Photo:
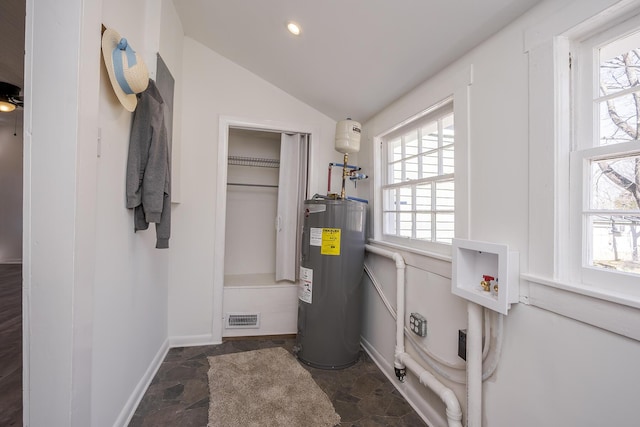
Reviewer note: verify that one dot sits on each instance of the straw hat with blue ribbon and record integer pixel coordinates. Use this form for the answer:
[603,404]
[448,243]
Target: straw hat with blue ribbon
[127,71]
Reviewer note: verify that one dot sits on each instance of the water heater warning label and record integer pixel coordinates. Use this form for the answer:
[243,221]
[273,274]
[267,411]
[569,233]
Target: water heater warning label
[315,237]
[305,290]
[330,241]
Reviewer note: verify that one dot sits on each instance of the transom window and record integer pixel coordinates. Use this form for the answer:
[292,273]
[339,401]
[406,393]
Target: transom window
[418,182]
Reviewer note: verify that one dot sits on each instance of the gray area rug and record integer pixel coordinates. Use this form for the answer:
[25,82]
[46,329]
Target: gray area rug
[266,387]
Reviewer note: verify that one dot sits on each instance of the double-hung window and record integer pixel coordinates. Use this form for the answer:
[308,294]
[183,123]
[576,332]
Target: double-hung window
[418,180]
[605,158]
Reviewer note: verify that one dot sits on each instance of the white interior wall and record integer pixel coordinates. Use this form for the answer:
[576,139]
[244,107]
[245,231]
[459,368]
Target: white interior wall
[554,370]
[214,87]
[132,276]
[95,293]
[59,209]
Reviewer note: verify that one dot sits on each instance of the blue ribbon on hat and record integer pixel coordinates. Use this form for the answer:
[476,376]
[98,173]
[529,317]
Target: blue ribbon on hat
[118,67]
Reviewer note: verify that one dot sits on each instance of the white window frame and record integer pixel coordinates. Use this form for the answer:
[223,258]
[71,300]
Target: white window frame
[454,87]
[431,115]
[550,279]
[584,74]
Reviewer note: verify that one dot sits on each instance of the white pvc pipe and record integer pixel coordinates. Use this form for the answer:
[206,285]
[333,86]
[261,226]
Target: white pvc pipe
[400,267]
[453,411]
[404,360]
[378,288]
[491,363]
[432,360]
[486,345]
[474,365]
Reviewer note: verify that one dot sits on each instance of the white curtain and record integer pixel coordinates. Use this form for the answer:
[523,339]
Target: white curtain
[291,193]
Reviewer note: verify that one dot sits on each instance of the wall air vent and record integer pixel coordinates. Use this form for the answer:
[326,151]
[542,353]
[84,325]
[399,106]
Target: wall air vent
[242,320]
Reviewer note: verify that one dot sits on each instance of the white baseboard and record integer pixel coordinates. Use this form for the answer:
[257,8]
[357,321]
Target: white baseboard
[192,340]
[409,391]
[132,403]
[134,400]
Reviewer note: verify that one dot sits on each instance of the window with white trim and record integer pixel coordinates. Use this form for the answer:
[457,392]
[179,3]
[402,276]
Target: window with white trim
[418,188]
[605,157]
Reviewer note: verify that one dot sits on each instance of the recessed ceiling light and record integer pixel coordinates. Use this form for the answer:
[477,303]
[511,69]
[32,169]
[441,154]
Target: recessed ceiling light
[293,28]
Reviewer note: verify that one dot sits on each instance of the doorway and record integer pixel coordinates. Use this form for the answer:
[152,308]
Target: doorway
[12,32]
[262,183]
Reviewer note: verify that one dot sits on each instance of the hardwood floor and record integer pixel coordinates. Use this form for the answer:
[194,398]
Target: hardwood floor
[10,344]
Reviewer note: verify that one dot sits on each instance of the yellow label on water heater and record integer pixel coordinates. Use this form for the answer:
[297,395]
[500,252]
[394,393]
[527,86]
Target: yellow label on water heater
[330,241]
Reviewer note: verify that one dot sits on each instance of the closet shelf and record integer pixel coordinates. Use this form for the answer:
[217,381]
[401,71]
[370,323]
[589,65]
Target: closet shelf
[253,161]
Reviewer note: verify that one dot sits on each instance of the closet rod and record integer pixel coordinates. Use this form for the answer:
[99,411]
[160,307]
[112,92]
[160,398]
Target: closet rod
[252,185]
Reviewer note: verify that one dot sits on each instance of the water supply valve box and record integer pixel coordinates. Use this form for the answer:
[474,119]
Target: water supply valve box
[485,273]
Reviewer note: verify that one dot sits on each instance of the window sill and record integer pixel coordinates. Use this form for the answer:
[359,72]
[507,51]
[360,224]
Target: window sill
[607,310]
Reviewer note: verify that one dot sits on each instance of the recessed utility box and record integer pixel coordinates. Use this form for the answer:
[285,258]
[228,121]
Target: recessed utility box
[485,273]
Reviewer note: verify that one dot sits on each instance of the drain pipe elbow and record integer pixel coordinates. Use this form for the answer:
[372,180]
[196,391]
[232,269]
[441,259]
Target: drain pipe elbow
[395,256]
[399,260]
[453,410]
[448,397]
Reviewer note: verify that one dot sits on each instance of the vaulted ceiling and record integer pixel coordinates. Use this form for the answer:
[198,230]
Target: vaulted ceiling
[353,57]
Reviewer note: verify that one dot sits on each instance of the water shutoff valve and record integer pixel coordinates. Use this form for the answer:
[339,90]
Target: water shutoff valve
[486,282]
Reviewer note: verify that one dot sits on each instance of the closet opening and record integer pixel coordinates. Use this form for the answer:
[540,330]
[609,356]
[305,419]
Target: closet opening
[266,185]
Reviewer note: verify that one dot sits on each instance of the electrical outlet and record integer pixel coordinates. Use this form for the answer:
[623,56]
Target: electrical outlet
[418,324]
[462,344]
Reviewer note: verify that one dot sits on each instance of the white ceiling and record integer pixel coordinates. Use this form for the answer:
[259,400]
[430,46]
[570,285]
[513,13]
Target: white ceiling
[354,57]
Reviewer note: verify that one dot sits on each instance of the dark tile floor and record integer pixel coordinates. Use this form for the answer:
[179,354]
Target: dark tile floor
[179,393]
[10,345]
